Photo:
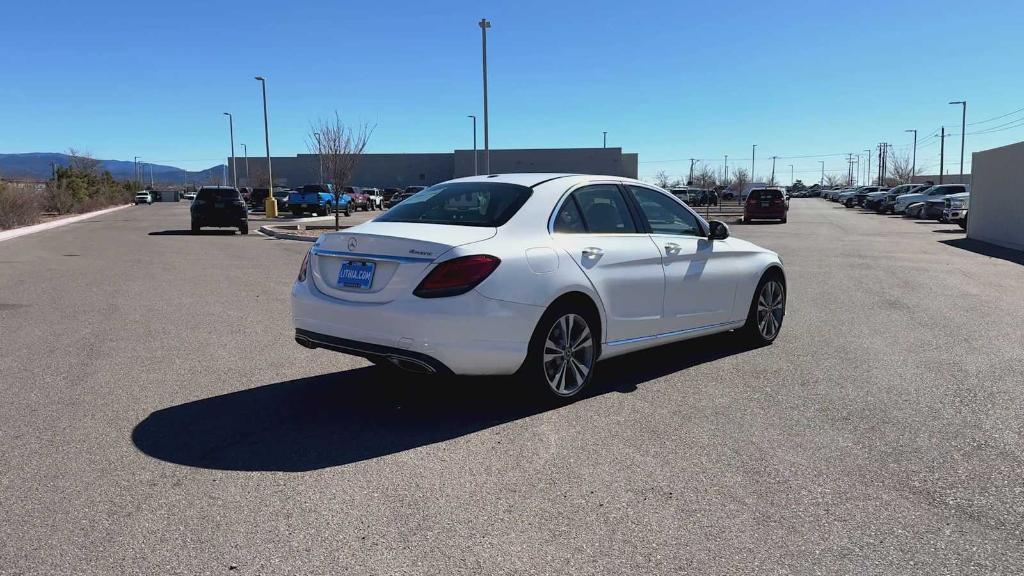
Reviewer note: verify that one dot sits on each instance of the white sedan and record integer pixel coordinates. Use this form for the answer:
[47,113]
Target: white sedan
[540,275]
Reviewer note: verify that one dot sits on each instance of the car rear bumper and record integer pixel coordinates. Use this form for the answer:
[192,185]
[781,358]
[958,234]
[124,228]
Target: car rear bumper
[765,215]
[467,335]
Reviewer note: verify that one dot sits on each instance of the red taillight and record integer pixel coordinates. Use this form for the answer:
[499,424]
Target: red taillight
[456,276]
[302,271]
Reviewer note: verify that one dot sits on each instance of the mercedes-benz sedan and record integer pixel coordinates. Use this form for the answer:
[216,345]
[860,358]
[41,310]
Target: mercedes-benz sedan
[540,275]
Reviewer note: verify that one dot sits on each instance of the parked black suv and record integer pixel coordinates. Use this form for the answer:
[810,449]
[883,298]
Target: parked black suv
[219,207]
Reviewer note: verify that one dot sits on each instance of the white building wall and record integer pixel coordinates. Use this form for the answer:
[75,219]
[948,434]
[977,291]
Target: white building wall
[996,212]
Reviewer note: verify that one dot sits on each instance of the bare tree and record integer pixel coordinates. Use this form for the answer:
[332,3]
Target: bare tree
[339,148]
[83,161]
[662,179]
[832,180]
[705,177]
[258,177]
[740,178]
[900,169]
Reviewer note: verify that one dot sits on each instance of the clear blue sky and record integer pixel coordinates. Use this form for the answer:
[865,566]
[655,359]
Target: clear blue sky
[669,80]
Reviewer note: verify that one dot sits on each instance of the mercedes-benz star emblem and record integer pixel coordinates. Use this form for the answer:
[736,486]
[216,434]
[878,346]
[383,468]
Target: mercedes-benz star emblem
[352,243]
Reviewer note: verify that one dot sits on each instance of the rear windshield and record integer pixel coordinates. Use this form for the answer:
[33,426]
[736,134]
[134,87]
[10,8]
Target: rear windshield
[765,194]
[218,194]
[488,204]
[280,194]
[314,188]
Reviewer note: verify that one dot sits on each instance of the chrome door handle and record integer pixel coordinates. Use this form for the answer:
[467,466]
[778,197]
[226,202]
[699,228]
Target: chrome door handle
[592,252]
[672,247]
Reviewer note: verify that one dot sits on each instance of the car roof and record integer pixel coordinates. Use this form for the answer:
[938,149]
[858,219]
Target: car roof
[523,179]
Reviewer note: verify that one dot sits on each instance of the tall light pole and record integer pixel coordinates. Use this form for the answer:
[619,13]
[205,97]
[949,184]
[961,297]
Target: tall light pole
[942,154]
[868,171]
[476,168]
[913,163]
[725,177]
[792,175]
[772,179]
[484,25]
[604,142]
[266,134]
[234,165]
[245,151]
[821,184]
[753,156]
[689,182]
[963,135]
[138,179]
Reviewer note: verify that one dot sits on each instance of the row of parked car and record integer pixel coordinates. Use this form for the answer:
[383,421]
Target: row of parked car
[318,199]
[942,202]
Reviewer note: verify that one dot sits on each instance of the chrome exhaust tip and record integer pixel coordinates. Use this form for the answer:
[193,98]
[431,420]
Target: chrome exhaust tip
[305,342]
[409,365]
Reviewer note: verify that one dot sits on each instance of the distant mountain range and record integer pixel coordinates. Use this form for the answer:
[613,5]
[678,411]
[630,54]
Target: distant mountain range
[37,166]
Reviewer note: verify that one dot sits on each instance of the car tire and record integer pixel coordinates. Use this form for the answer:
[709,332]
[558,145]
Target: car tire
[767,310]
[195,228]
[552,371]
[746,220]
[244,228]
[783,221]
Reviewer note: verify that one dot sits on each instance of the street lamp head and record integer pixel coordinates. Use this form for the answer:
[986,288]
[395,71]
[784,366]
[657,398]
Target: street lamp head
[473,116]
[227,114]
[959,102]
[260,78]
[484,23]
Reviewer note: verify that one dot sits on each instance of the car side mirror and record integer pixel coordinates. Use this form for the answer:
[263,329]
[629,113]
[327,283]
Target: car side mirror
[717,230]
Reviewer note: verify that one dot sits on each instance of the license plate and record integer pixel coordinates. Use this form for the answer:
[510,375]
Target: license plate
[356,275]
[218,205]
[765,204]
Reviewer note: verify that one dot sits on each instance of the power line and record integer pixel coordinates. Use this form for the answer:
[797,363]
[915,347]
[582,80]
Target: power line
[996,117]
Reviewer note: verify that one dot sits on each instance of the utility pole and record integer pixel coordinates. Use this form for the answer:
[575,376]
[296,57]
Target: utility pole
[913,163]
[138,180]
[725,179]
[476,168]
[753,156]
[867,154]
[484,25]
[605,142]
[849,169]
[689,182]
[821,184]
[772,179]
[266,135]
[234,165]
[792,176]
[963,136]
[246,152]
[942,154]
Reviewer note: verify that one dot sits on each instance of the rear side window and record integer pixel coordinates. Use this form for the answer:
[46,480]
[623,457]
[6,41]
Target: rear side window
[488,204]
[604,210]
[569,220]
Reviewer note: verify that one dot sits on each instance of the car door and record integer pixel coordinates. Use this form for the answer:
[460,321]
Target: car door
[700,275]
[597,227]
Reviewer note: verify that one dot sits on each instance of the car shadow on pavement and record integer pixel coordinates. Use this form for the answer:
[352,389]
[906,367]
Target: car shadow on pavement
[217,232]
[360,414]
[986,249]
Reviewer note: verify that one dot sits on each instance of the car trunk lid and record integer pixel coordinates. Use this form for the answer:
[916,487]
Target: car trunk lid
[394,255]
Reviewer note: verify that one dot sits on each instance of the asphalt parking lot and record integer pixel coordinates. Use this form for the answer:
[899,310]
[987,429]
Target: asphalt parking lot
[158,418]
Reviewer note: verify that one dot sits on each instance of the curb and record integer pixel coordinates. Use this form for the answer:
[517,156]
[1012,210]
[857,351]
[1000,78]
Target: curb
[269,231]
[26,230]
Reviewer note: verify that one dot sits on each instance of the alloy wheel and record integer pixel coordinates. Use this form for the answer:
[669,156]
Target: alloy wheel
[771,306]
[568,354]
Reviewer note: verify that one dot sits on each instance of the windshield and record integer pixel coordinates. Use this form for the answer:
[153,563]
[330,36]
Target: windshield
[489,204]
